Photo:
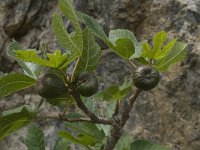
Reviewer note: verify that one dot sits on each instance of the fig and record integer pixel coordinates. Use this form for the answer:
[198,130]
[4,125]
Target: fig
[50,86]
[87,84]
[146,77]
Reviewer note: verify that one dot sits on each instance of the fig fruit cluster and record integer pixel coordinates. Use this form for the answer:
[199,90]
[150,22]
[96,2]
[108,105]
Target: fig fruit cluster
[146,77]
[87,84]
[50,86]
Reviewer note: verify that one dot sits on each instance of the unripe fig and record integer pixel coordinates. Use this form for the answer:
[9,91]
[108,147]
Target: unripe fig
[50,86]
[87,84]
[146,77]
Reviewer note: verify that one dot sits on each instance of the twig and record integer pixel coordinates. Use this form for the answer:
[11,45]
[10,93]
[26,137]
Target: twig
[116,109]
[62,117]
[65,77]
[92,116]
[132,63]
[46,117]
[128,108]
[118,129]
[75,68]
[40,103]
[77,120]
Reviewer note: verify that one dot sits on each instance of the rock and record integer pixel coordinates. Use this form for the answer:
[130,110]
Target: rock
[194,10]
[115,14]
[169,114]
[15,19]
[110,70]
[26,22]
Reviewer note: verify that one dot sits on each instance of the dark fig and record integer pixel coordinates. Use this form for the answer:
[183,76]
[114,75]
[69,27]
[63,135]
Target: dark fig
[146,77]
[50,86]
[87,84]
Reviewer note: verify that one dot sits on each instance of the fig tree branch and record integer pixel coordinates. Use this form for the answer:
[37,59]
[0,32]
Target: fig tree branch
[128,108]
[117,130]
[63,118]
[74,70]
[132,63]
[67,80]
[40,103]
[92,116]
[116,109]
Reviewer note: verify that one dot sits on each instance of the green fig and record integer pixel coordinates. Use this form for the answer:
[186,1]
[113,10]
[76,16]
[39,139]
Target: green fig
[87,84]
[50,86]
[146,77]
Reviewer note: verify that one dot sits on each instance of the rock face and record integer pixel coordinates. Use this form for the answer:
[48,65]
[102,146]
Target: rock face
[26,21]
[168,114]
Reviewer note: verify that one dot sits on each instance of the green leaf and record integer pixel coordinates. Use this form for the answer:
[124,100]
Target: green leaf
[91,53]
[65,39]
[165,50]
[62,144]
[63,100]
[115,92]
[94,26]
[177,53]
[91,103]
[87,140]
[109,112]
[18,109]
[67,9]
[110,108]
[146,145]
[30,69]
[125,88]
[106,128]
[14,82]
[147,51]
[88,129]
[141,60]
[35,69]
[118,39]
[35,138]
[125,43]
[67,135]
[124,143]
[83,136]
[73,43]
[13,120]
[111,93]
[56,60]
[158,41]
[124,48]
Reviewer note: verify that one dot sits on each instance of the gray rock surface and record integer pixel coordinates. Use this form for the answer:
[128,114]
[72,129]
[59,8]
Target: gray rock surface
[169,114]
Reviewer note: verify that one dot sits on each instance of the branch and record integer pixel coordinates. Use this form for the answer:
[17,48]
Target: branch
[77,119]
[118,128]
[63,118]
[40,103]
[66,78]
[92,116]
[128,108]
[132,63]
[74,71]
[116,109]
[46,117]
